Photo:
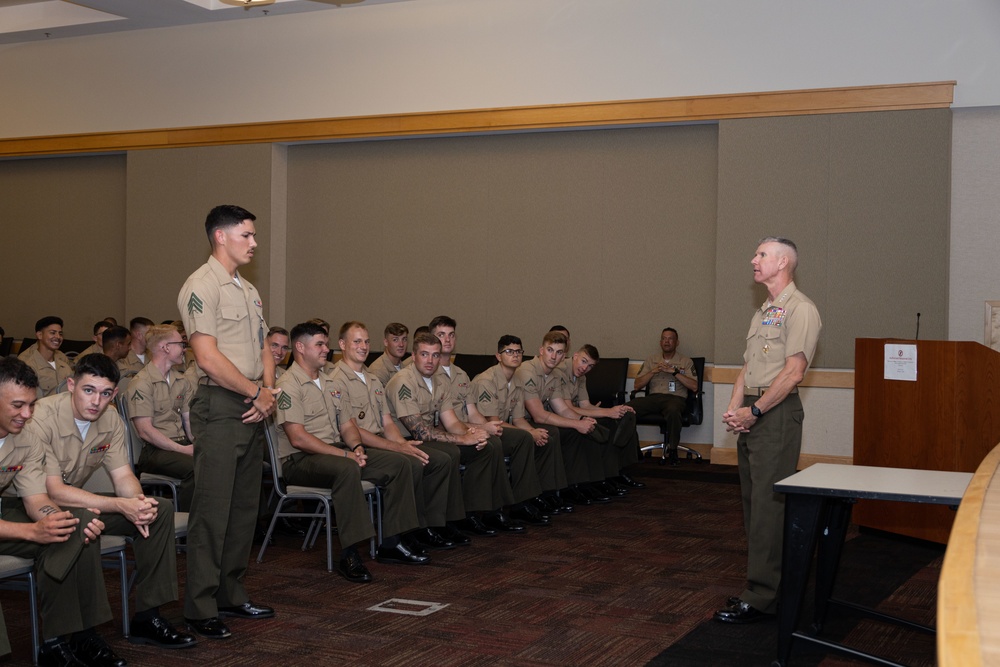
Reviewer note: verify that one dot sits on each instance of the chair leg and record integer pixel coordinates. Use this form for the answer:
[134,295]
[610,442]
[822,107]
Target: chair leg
[33,606]
[123,565]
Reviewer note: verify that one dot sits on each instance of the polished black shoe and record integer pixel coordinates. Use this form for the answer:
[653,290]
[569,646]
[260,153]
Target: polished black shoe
[547,504]
[611,489]
[58,654]
[474,526]
[565,506]
[352,569]
[530,515]
[158,632]
[575,496]
[625,480]
[595,494]
[247,610]
[733,600]
[212,628]
[672,457]
[95,652]
[430,540]
[399,554]
[741,613]
[411,543]
[453,535]
[499,522]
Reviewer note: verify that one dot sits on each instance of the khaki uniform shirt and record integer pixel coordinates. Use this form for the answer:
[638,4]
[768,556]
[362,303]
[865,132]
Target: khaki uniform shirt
[660,382]
[149,395]
[131,364]
[302,402]
[496,397]
[364,402]
[383,369]
[574,389]
[407,395]
[49,378]
[777,331]
[22,465]
[93,349]
[530,376]
[66,454]
[211,303]
[458,384]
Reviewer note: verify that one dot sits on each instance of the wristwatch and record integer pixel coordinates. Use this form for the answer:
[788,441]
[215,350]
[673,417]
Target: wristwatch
[755,411]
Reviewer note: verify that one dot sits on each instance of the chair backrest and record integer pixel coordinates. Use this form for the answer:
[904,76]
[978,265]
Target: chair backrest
[372,356]
[694,411]
[6,345]
[132,440]
[606,381]
[474,364]
[271,436]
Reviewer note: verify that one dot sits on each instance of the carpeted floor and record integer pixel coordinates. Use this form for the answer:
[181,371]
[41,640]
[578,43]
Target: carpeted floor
[633,582]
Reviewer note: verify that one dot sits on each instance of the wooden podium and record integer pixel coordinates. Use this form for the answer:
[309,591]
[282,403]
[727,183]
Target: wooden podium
[949,419]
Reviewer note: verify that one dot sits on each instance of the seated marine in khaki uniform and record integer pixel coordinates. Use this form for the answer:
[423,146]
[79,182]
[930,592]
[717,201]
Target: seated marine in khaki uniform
[50,365]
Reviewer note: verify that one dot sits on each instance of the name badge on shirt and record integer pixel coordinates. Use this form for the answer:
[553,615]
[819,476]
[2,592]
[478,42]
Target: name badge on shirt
[672,386]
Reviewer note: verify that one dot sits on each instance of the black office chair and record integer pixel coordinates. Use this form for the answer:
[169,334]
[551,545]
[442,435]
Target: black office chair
[6,345]
[694,413]
[606,381]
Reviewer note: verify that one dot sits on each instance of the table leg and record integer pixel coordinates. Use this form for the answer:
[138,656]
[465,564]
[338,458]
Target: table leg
[834,522]
[802,514]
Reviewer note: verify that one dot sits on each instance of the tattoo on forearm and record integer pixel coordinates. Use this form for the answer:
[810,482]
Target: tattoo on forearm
[420,431]
[47,509]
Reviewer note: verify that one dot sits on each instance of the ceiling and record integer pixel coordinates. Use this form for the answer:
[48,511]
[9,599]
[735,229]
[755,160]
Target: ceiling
[32,20]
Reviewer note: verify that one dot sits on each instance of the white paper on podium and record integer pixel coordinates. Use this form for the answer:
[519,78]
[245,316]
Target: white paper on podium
[900,362]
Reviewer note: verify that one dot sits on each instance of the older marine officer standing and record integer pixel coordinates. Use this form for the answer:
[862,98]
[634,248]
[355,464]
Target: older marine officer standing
[766,411]
[224,319]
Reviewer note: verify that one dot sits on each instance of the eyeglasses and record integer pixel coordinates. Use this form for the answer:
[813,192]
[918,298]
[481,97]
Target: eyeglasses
[178,342]
[511,352]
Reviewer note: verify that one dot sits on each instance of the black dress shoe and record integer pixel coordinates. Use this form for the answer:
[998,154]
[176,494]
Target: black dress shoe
[352,569]
[530,515]
[411,543]
[611,489]
[500,523]
[474,526]
[733,600]
[625,480]
[58,654]
[595,494]
[399,554]
[575,496]
[95,652]
[548,505]
[247,610]
[212,628]
[565,506]
[741,613]
[453,535]
[158,632]
[430,540]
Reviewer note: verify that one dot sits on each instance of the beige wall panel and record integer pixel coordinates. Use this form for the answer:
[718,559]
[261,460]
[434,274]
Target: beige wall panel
[63,222]
[169,194]
[608,232]
[865,197]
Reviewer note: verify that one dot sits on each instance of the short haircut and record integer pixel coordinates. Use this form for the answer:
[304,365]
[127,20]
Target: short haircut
[558,327]
[322,323]
[114,335]
[177,324]
[158,333]
[395,329]
[226,215]
[442,321]
[791,250]
[420,330]
[555,337]
[508,339]
[137,322]
[110,320]
[276,331]
[98,365]
[306,330]
[347,326]
[103,324]
[671,329]
[15,371]
[591,352]
[425,338]
[46,322]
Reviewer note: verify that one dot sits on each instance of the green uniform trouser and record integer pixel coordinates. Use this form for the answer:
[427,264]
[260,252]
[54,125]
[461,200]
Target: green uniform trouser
[70,581]
[549,460]
[156,461]
[484,486]
[430,487]
[671,407]
[767,454]
[228,464]
[343,476]
[155,556]
[625,444]
[519,446]
[583,456]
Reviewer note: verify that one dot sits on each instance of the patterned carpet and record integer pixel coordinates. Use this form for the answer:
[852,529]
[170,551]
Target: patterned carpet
[633,582]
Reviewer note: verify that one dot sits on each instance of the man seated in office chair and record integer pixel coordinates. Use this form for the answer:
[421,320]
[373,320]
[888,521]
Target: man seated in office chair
[615,423]
[312,453]
[136,357]
[667,376]
[64,544]
[50,365]
[159,406]
[80,434]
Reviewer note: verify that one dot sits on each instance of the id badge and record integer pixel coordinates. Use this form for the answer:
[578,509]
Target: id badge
[672,386]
